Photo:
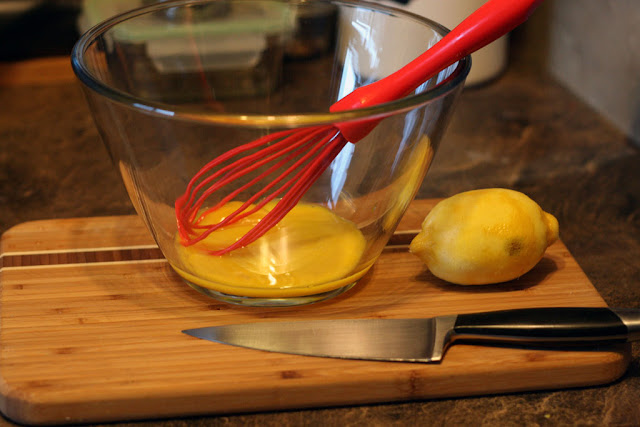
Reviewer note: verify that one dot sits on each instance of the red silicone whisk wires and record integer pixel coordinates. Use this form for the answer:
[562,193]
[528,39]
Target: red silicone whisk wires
[297,158]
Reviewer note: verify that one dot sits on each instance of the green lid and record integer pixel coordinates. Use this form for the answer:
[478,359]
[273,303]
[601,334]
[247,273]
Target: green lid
[242,16]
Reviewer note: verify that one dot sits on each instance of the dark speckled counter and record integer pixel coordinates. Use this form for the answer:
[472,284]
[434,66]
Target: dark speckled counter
[522,131]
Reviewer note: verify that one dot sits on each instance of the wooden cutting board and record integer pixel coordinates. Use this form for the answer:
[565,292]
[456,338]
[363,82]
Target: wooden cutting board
[91,314]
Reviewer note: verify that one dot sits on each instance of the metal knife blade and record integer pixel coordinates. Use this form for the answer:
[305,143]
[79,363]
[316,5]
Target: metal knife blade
[426,340]
[417,340]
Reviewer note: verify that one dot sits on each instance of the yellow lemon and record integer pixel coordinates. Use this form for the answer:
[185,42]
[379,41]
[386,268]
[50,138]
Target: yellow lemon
[484,236]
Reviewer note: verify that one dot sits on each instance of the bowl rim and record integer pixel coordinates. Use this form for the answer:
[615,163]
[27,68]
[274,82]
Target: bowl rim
[190,113]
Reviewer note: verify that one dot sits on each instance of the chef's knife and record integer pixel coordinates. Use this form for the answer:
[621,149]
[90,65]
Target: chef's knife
[425,340]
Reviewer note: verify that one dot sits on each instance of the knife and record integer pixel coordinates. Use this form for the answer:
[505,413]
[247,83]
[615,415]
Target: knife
[426,340]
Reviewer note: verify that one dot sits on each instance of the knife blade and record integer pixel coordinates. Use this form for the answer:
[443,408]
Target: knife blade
[426,340]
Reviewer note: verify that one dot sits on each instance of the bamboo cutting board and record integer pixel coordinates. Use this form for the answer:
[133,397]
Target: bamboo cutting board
[91,314]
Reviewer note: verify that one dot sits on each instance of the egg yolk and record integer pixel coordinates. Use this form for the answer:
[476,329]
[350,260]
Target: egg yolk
[310,251]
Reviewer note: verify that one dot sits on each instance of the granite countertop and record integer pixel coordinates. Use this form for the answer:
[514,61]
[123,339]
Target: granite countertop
[523,131]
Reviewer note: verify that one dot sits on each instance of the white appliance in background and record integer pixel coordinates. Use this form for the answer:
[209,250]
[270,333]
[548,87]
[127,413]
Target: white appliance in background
[486,63]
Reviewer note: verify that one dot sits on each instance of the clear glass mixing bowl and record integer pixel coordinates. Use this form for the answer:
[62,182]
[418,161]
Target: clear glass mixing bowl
[168,95]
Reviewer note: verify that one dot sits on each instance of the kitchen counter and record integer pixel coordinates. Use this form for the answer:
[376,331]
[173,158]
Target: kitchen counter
[523,131]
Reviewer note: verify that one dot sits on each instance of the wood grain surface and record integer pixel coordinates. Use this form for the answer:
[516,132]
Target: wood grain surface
[36,72]
[91,314]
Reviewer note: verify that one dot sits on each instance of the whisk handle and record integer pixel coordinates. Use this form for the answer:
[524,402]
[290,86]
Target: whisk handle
[489,22]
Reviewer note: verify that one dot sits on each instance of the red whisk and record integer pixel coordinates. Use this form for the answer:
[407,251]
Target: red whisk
[298,157]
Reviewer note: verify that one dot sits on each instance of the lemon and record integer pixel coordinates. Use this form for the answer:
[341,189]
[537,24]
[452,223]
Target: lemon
[484,236]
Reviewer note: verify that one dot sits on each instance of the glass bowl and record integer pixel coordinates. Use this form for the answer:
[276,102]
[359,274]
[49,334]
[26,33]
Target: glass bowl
[168,95]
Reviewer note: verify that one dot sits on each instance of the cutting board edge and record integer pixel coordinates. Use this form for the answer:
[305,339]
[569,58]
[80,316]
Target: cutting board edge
[66,221]
[20,409]
[17,238]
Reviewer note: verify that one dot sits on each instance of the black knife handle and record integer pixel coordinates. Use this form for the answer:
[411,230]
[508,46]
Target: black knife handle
[543,325]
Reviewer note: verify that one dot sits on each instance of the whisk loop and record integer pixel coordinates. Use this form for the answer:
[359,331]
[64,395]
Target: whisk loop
[299,157]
